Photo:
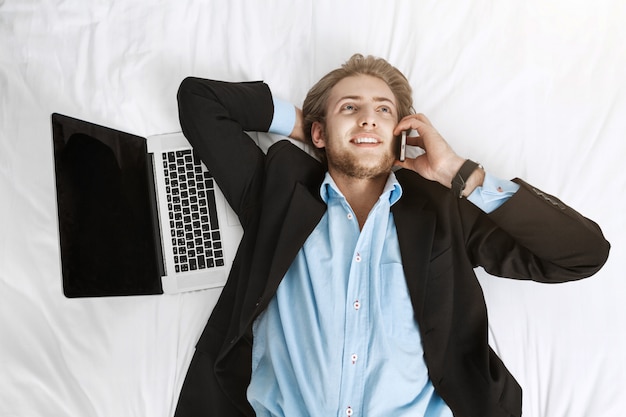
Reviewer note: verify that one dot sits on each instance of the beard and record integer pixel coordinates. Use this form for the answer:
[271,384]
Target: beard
[350,165]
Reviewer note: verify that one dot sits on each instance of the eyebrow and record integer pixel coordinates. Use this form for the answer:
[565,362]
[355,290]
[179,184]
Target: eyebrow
[376,99]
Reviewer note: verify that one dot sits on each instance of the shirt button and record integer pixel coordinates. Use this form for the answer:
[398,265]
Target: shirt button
[349,216]
[358,258]
[354,357]
[349,411]
[357,305]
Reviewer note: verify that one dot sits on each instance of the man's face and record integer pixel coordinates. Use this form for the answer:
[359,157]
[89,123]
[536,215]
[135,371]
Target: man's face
[361,114]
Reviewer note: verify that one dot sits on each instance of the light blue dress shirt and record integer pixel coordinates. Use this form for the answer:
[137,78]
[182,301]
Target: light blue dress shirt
[339,337]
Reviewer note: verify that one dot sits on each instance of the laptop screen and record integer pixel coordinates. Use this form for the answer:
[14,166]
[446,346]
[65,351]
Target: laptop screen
[105,199]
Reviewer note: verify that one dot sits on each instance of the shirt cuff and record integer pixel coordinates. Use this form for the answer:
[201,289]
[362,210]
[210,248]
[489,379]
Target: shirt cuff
[284,118]
[493,193]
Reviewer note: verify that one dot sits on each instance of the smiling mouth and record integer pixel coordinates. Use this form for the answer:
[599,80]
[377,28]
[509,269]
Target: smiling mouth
[360,141]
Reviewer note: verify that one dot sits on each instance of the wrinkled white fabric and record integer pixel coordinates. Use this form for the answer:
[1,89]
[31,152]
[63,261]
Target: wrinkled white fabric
[534,89]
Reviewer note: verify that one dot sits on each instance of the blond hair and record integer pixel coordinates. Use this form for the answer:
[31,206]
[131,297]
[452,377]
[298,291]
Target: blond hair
[314,107]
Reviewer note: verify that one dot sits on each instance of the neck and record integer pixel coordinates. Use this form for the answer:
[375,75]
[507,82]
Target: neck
[360,193]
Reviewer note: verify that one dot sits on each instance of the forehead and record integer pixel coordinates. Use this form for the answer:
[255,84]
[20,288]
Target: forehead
[366,87]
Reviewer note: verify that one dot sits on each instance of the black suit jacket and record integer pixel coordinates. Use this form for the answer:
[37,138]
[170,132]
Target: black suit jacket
[442,239]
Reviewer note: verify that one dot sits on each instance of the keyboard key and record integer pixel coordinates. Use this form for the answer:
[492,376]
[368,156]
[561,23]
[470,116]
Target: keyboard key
[193,212]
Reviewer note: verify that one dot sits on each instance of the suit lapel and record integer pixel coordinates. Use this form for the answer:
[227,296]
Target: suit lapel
[303,215]
[415,226]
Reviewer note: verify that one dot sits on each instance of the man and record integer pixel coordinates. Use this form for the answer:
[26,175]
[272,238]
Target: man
[353,291]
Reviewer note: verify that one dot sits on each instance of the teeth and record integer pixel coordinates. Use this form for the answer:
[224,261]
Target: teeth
[365,140]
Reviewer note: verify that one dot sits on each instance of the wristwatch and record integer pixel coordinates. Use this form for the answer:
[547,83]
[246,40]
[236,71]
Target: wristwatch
[460,179]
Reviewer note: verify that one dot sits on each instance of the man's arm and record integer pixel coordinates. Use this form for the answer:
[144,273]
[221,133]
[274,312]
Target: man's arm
[214,116]
[533,236]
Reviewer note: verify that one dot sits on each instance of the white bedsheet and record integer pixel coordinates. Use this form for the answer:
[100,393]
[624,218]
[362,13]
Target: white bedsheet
[534,88]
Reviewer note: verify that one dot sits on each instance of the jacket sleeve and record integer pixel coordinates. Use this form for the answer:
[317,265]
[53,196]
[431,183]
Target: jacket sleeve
[214,117]
[536,236]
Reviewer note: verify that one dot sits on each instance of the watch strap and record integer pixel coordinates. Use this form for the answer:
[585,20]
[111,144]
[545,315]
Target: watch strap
[460,179]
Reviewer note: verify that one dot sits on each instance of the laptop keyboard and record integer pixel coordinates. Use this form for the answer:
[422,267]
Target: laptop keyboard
[192,213]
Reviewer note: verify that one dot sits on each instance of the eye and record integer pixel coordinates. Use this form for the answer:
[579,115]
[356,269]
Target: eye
[384,109]
[349,107]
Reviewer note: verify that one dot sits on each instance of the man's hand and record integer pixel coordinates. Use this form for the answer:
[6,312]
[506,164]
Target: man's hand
[439,162]
[298,128]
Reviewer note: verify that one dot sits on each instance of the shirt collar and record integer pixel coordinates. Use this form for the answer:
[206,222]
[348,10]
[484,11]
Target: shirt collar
[392,189]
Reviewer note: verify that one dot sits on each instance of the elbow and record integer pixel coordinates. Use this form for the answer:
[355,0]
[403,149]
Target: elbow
[600,256]
[188,87]
[587,265]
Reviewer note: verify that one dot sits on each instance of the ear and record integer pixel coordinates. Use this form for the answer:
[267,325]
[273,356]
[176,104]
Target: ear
[317,135]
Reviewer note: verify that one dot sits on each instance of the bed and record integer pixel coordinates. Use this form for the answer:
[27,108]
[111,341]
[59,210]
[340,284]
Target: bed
[533,89]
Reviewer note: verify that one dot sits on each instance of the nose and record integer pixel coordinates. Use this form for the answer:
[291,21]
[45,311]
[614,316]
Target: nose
[367,118]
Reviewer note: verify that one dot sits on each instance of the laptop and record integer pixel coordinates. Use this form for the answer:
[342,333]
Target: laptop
[137,215]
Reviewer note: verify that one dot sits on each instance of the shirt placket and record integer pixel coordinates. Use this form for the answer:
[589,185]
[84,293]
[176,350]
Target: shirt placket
[357,326]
